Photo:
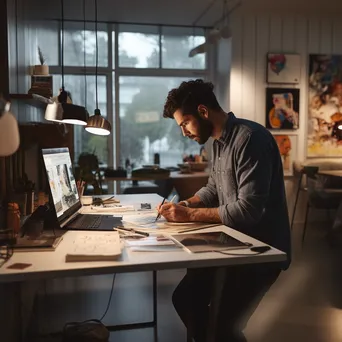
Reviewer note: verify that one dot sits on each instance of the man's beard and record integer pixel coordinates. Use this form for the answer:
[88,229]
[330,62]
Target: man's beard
[205,131]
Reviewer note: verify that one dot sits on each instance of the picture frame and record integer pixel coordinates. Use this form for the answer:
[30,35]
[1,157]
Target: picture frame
[324,116]
[282,108]
[287,144]
[283,68]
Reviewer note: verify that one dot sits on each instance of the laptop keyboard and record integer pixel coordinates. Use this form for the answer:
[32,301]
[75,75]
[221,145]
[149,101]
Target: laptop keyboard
[86,222]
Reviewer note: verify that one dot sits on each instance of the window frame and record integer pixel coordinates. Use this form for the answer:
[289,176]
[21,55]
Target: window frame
[113,72]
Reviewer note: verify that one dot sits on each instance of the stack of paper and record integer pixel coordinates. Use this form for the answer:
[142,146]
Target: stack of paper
[95,246]
[157,243]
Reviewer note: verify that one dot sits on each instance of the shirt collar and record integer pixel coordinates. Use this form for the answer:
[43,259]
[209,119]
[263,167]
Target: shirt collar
[227,128]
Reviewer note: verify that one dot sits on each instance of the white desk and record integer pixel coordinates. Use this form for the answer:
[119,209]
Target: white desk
[47,265]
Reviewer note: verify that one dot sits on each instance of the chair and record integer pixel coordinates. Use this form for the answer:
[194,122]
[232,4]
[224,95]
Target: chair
[322,193]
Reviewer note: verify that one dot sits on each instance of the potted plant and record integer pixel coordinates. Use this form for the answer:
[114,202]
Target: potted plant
[42,68]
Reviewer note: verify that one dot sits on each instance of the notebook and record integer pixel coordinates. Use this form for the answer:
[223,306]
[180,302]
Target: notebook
[64,196]
[95,246]
[41,244]
[208,242]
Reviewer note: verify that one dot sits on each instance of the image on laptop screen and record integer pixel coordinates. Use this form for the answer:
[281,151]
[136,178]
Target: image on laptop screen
[61,179]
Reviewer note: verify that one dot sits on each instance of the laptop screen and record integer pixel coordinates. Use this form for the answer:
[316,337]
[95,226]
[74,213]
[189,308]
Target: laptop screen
[61,180]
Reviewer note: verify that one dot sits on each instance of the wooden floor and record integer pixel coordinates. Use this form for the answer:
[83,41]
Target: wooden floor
[305,304]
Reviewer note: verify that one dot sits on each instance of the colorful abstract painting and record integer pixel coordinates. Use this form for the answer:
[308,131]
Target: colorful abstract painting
[287,145]
[325,106]
[283,68]
[282,108]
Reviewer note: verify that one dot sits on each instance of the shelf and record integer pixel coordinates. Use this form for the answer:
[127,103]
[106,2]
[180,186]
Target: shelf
[33,100]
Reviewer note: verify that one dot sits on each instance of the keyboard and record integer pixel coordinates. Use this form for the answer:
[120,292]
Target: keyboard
[86,222]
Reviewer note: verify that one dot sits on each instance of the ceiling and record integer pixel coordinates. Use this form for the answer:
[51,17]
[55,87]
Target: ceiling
[176,12]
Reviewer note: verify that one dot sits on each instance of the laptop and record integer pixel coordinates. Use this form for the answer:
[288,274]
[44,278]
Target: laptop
[64,195]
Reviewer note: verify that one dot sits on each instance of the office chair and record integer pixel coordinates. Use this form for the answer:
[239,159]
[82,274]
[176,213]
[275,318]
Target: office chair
[321,194]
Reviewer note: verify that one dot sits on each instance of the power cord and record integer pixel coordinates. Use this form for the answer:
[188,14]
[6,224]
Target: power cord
[92,327]
[110,298]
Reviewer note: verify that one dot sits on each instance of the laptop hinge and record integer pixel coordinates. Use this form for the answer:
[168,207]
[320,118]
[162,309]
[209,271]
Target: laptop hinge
[71,218]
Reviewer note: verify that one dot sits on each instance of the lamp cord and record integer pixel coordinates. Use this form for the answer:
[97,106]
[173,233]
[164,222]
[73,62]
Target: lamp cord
[62,27]
[84,53]
[96,59]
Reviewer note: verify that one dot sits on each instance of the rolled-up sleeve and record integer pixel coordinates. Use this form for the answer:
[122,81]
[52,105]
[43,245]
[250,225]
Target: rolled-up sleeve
[208,194]
[254,172]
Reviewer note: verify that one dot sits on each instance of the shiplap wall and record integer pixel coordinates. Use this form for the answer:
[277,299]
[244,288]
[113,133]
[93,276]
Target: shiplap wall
[256,35]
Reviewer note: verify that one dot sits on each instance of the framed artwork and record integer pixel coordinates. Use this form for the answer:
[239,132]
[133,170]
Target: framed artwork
[282,108]
[325,106]
[283,68]
[287,145]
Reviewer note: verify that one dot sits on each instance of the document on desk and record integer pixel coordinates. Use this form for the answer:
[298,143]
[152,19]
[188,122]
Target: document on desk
[148,221]
[157,243]
[143,219]
[95,246]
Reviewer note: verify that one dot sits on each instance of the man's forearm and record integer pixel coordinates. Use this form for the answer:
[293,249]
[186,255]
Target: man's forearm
[204,215]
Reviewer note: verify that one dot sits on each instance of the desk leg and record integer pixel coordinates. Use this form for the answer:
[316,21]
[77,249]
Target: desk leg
[215,302]
[155,306]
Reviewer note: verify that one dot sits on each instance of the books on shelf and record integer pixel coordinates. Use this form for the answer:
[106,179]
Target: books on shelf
[95,246]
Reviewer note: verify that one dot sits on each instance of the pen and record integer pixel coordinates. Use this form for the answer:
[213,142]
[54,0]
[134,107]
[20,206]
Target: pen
[132,231]
[172,199]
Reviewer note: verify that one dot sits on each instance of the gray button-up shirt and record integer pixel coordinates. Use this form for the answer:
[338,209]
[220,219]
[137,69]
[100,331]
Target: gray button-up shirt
[247,184]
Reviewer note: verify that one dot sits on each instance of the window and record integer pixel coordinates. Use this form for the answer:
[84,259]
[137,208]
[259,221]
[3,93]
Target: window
[150,61]
[85,141]
[143,129]
[176,45]
[74,44]
[138,46]
[46,37]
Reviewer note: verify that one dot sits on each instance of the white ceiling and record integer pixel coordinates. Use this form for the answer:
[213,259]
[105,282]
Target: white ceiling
[176,12]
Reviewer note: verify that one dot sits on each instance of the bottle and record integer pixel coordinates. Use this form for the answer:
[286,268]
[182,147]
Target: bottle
[13,217]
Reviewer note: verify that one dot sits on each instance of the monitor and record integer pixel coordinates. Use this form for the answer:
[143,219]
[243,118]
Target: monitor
[62,184]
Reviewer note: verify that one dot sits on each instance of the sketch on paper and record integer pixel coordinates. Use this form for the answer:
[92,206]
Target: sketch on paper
[325,106]
[287,145]
[283,68]
[282,108]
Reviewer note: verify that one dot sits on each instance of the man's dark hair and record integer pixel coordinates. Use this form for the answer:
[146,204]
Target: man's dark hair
[188,96]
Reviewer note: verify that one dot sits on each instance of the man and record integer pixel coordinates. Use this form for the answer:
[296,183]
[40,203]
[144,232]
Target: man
[245,191]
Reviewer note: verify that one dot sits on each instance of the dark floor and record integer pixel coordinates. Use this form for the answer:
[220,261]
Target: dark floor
[305,304]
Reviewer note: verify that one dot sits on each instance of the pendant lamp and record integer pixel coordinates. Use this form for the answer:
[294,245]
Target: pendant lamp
[62,110]
[97,124]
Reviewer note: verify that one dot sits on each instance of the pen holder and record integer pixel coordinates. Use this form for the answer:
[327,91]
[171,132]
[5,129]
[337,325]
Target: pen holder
[87,200]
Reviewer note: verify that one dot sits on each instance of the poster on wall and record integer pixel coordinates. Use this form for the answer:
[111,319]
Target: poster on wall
[325,106]
[282,108]
[283,68]
[287,145]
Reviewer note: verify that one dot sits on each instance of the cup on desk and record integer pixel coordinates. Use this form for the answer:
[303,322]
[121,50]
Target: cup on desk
[87,200]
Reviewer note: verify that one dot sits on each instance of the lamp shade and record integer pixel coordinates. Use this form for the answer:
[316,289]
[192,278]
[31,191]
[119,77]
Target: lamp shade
[66,113]
[98,125]
[9,133]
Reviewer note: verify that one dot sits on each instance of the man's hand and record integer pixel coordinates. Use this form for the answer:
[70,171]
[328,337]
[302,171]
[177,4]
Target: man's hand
[174,212]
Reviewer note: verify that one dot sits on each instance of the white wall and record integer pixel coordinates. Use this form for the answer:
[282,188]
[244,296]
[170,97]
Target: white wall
[256,35]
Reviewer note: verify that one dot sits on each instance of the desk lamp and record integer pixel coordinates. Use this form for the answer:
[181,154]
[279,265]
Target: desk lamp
[9,131]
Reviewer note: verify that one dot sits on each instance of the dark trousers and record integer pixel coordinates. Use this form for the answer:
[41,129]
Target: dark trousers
[243,290]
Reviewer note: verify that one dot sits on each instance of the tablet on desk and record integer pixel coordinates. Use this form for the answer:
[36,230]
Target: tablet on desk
[209,242]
